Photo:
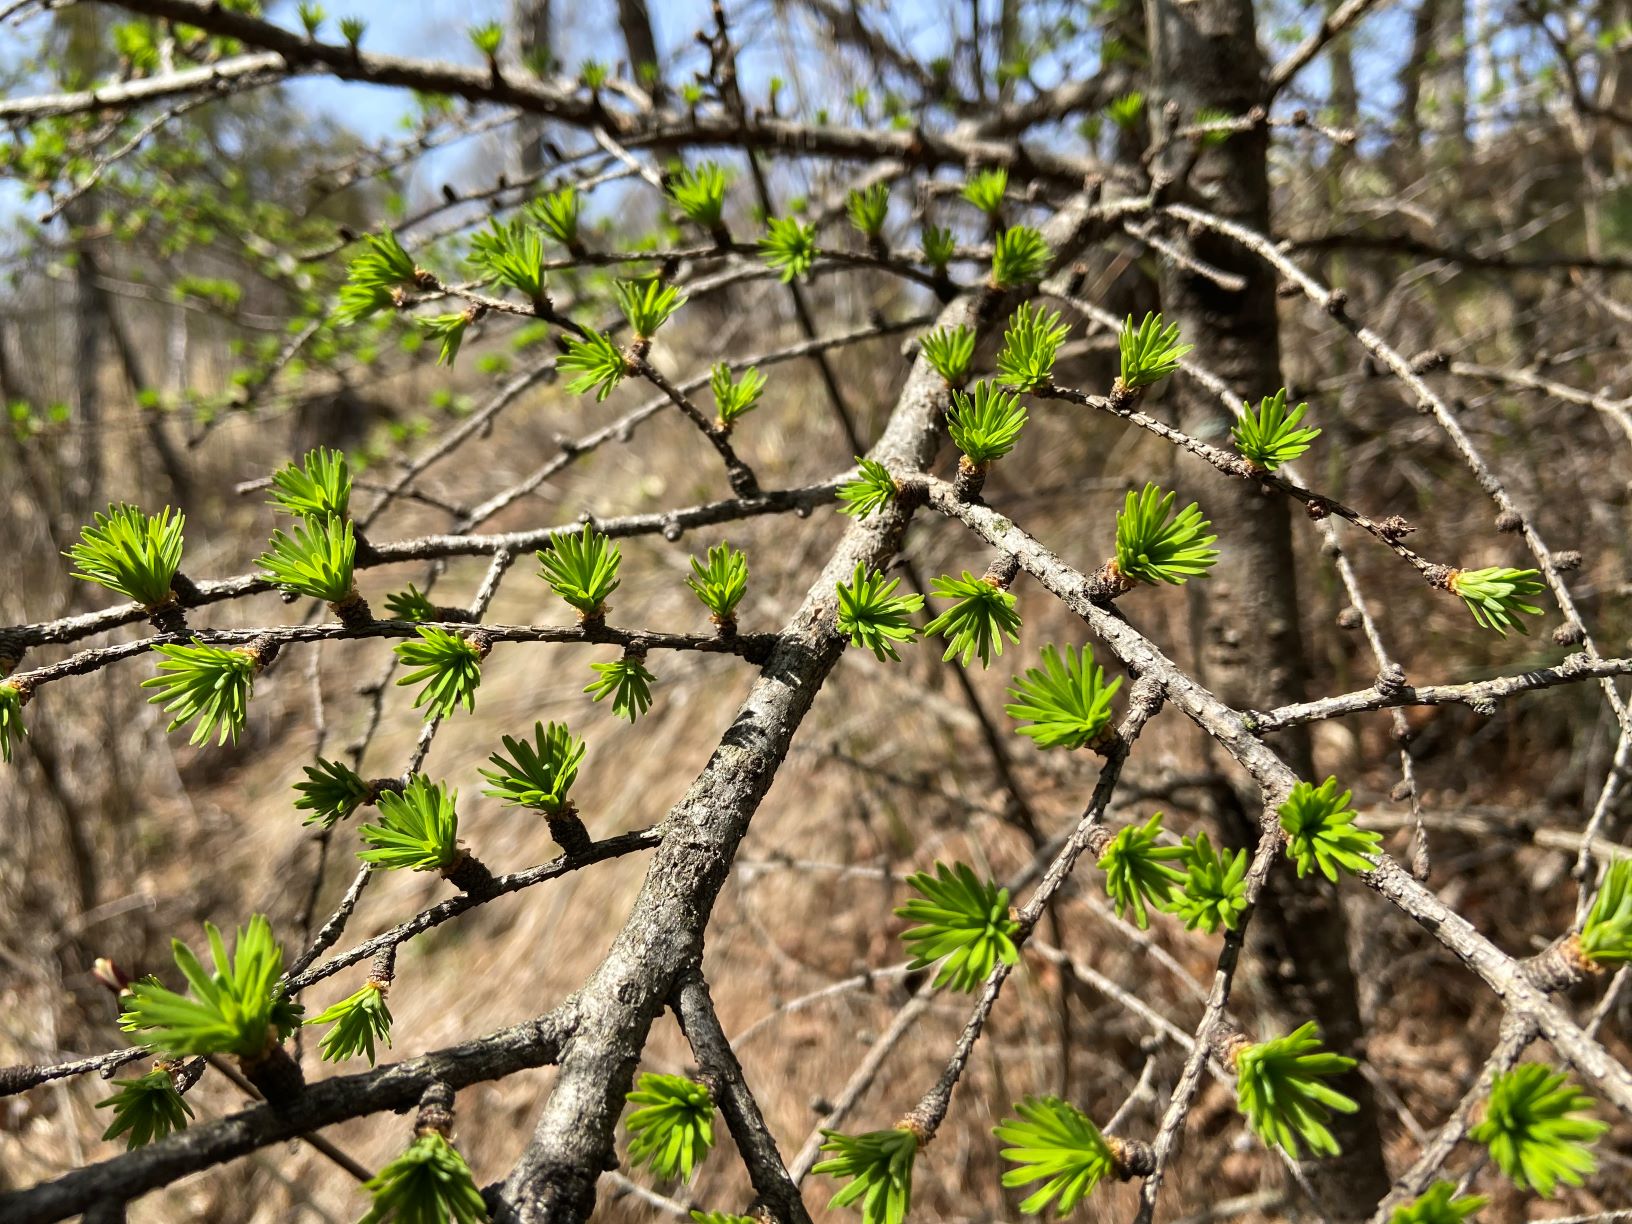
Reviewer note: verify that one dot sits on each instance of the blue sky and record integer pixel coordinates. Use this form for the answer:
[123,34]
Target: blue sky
[438,29]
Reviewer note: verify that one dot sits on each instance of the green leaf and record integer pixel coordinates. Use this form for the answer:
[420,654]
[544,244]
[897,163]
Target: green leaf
[1155,545]
[647,304]
[511,255]
[868,209]
[316,559]
[789,246]
[1533,1129]
[430,1183]
[1268,436]
[964,923]
[1057,1144]
[557,214]
[599,361]
[1149,352]
[537,775]
[359,1021]
[735,400]
[1030,346]
[1440,1204]
[721,582]
[1320,831]
[236,1010]
[1136,871]
[949,351]
[450,665]
[1126,110]
[206,685]
[411,605]
[487,38]
[131,553]
[449,332]
[1280,1088]
[331,792]
[582,569]
[1496,595]
[627,682]
[1213,893]
[418,829]
[145,1109]
[673,1130]
[1019,257]
[720,1217]
[869,492]
[376,277]
[1067,700]
[1606,936]
[985,190]
[317,489]
[11,720]
[699,193]
[986,425]
[879,1166]
[871,615]
[981,615]
[939,246]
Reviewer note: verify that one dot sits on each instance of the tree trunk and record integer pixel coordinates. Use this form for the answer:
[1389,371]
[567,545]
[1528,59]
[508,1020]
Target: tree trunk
[635,19]
[530,22]
[83,453]
[1412,73]
[1204,53]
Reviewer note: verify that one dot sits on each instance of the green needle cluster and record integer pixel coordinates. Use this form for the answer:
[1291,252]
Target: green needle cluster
[359,1021]
[430,1183]
[963,922]
[1137,875]
[871,615]
[869,492]
[1066,702]
[1053,1142]
[673,1130]
[449,665]
[1534,1129]
[236,1010]
[627,682]
[132,553]
[1281,1088]
[1321,833]
[879,1166]
[981,615]
[145,1108]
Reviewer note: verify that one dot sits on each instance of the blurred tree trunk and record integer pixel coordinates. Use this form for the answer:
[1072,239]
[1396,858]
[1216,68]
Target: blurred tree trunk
[530,24]
[1008,33]
[1204,53]
[1345,96]
[81,32]
[635,20]
[1412,72]
[1447,97]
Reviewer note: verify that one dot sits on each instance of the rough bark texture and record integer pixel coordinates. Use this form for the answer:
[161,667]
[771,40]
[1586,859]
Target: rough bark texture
[395,1086]
[1205,54]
